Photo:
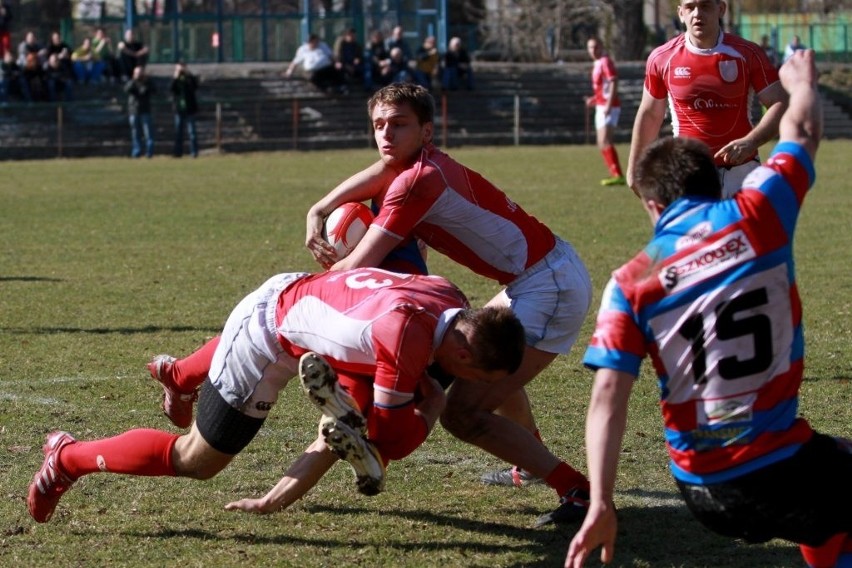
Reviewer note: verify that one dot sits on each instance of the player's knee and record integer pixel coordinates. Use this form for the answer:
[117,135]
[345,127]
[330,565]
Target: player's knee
[464,423]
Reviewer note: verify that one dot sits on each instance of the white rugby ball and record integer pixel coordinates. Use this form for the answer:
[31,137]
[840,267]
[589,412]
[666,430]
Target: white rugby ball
[346,226]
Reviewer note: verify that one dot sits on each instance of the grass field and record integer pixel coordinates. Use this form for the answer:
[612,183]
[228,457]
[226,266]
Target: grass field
[105,263]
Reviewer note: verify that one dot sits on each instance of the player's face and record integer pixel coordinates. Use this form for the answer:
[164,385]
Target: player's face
[701,18]
[399,136]
[593,48]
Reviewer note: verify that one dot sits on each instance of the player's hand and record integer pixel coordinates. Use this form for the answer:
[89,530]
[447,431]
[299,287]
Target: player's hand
[599,529]
[257,506]
[320,249]
[800,68]
[736,152]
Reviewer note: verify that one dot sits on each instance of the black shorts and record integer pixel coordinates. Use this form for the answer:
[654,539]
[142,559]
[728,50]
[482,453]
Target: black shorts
[805,499]
[222,426]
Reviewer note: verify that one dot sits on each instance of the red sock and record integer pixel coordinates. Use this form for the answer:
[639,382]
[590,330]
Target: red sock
[188,373]
[827,555]
[564,478]
[137,452]
[610,156]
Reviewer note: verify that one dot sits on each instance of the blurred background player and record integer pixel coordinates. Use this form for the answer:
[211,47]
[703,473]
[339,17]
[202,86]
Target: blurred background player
[607,108]
[726,340]
[707,77]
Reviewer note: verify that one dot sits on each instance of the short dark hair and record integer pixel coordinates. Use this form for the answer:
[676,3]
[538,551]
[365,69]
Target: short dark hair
[497,338]
[671,168]
[419,98]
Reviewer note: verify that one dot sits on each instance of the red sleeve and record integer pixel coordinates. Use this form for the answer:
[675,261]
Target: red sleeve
[410,196]
[654,81]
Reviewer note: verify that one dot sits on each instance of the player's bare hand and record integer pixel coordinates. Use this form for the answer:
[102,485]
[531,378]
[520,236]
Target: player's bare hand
[257,506]
[800,68]
[599,529]
[736,152]
[320,249]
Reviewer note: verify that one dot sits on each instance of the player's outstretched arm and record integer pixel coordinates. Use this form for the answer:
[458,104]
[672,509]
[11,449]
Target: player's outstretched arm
[802,122]
[605,425]
[305,472]
[362,186]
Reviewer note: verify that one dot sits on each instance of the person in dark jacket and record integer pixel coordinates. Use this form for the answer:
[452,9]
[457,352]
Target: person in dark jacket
[139,90]
[185,104]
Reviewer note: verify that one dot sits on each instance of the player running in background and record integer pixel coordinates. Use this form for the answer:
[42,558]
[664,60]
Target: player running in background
[708,78]
[378,330]
[607,107]
[422,192]
[713,301]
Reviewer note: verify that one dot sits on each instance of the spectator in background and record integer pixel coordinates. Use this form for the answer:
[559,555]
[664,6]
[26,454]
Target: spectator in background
[607,107]
[30,45]
[398,68]
[139,89]
[457,68]
[62,50]
[792,47]
[349,57]
[11,79]
[397,39]
[5,21]
[102,47]
[132,53]
[59,80]
[317,60]
[427,63]
[376,61]
[185,104]
[88,66]
[34,84]
[771,53]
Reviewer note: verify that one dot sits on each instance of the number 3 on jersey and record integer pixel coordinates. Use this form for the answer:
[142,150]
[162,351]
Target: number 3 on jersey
[729,342]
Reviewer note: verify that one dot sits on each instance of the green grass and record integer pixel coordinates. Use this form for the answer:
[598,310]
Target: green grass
[107,262]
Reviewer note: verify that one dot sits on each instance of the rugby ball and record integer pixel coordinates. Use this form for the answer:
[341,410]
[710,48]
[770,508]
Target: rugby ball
[346,226]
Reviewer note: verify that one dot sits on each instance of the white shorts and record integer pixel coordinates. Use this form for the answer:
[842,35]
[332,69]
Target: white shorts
[552,299]
[603,120]
[732,178]
[249,366]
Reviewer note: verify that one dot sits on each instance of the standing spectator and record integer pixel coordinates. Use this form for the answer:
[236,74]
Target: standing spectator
[102,47]
[706,77]
[713,301]
[769,50]
[185,104]
[397,39]
[428,63]
[317,60]
[88,66]
[5,31]
[59,80]
[139,89]
[30,45]
[457,68]
[132,53]
[607,107]
[349,57]
[12,82]
[376,62]
[792,47]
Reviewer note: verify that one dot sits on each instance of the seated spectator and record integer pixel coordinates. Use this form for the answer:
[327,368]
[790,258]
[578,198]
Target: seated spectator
[427,63]
[5,28]
[397,39]
[11,79]
[30,45]
[132,53]
[376,62]
[457,68]
[317,60]
[102,47]
[58,79]
[62,50]
[398,68]
[349,57]
[88,66]
[770,52]
[33,78]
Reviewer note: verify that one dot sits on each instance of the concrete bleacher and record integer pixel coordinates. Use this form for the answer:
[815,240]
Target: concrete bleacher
[250,107]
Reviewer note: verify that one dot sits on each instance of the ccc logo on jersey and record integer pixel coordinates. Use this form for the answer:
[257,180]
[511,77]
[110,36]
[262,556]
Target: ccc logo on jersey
[682,72]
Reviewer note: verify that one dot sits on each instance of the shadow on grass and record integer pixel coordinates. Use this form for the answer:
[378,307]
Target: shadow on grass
[662,535]
[29,279]
[109,330]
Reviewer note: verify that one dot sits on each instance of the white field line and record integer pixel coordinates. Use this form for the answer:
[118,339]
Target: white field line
[7,393]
